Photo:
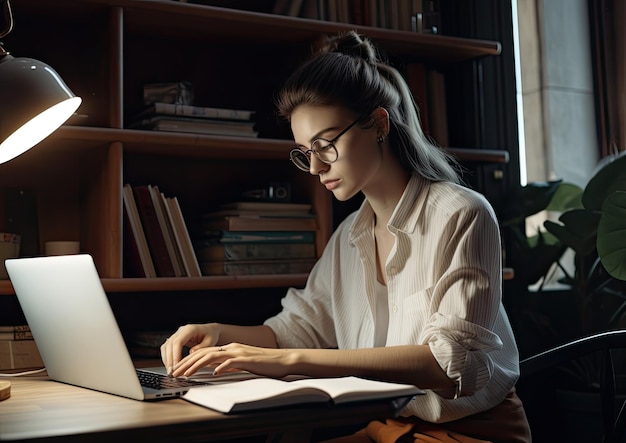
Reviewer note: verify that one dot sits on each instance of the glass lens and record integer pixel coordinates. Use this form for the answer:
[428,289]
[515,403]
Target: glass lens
[325,150]
[300,159]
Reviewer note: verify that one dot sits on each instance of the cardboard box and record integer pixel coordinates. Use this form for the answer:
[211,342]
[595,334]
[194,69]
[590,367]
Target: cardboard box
[19,354]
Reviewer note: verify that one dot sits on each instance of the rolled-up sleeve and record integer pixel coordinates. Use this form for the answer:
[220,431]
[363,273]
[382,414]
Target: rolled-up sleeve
[463,351]
[465,300]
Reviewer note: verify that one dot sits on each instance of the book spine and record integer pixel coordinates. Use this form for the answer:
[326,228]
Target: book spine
[152,229]
[202,111]
[183,239]
[416,79]
[166,229]
[247,251]
[257,267]
[133,261]
[245,223]
[140,261]
[437,107]
[262,236]
[14,328]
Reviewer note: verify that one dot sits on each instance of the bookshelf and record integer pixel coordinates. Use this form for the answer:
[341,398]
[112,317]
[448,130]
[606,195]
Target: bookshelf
[106,50]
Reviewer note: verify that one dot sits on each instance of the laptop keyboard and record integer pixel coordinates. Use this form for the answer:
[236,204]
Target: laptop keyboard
[160,381]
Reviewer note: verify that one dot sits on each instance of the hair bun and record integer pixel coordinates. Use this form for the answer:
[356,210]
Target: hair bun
[353,44]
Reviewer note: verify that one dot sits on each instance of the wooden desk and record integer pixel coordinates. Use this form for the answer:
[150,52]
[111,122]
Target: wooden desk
[41,409]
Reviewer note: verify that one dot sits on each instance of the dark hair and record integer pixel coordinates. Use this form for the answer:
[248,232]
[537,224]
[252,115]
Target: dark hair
[347,71]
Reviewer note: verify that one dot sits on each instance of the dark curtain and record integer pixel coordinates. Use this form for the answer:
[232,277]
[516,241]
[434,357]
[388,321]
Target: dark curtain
[609,50]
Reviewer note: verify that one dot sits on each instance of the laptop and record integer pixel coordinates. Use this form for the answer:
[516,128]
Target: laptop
[76,332]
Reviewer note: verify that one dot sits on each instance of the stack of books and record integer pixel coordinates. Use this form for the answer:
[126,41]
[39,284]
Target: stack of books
[158,243]
[18,349]
[196,119]
[258,238]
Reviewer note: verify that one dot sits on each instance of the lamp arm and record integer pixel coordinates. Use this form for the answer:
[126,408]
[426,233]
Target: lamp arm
[8,20]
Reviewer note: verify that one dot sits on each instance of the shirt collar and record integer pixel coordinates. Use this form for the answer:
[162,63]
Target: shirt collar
[404,217]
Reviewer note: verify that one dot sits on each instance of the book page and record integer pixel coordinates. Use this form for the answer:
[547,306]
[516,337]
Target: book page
[346,389]
[264,392]
[259,393]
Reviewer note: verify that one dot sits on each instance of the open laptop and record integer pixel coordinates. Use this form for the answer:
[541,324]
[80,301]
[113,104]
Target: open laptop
[76,332]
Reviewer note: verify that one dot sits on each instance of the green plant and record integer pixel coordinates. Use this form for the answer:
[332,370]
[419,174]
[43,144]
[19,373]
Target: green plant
[592,224]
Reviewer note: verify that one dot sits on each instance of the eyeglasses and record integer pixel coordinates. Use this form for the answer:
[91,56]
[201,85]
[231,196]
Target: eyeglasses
[323,149]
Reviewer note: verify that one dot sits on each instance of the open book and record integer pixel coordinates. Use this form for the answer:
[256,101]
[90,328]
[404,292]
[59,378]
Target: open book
[261,393]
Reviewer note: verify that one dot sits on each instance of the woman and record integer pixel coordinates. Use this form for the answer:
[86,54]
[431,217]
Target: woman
[408,288]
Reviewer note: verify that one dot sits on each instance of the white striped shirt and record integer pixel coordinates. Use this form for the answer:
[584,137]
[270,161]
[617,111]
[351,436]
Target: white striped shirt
[444,283]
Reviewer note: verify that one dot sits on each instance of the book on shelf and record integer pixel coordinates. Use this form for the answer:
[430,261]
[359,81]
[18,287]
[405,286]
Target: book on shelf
[227,237]
[416,79]
[19,354]
[183,240]
[14,328]
[173,109]
[263,393]
[248,251]
[261,208]
[159,235]
[131,258]
[288,7]
[196,125]
[154,233]
[16,335]
[259,223]
[256,213]
[391,14]
[158,200]
[138,261]
[437,107]
[254,267]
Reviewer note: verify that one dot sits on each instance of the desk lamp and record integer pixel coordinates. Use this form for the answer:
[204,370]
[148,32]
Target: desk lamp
[34,100]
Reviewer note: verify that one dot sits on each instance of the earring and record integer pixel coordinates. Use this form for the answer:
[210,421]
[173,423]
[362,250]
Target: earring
[380,139]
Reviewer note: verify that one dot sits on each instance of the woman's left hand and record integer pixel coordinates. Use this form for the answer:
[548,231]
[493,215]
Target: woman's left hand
[268,362]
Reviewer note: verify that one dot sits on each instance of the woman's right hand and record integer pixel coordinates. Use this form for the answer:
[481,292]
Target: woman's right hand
[194,336]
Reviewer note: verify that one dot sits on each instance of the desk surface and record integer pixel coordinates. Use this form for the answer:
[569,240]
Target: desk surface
[39,408]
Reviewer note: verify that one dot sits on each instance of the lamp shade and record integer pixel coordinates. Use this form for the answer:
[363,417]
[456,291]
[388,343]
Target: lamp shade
[34,102]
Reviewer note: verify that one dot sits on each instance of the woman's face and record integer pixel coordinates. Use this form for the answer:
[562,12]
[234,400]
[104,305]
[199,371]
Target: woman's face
[359,153]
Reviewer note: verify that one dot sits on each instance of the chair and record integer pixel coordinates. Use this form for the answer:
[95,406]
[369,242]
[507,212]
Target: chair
[613,415]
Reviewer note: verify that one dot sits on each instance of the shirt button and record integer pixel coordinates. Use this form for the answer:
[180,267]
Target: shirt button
[395,308]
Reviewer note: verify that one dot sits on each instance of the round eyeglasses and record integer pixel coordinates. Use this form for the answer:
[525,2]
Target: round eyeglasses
[323,149]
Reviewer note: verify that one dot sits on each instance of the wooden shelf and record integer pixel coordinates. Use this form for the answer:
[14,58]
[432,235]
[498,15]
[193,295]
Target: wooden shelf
[199,145]
[194,145]
[165,284]
[195,22]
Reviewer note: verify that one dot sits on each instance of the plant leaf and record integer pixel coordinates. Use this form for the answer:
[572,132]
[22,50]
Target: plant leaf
[528,200]
[612,235]
[610,178]
[577,229]
[567,196]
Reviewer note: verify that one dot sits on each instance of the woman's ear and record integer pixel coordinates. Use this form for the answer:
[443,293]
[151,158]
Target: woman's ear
[380,118]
